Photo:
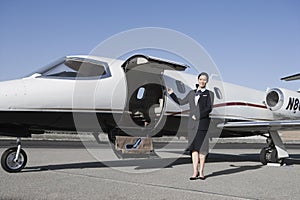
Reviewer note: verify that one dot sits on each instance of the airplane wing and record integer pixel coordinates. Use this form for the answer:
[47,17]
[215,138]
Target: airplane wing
[292,77]
[261,126]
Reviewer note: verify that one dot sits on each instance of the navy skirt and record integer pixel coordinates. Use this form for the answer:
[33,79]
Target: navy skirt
[199,142]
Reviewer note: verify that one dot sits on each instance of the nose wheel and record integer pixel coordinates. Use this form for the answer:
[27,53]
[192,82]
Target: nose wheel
[14,159]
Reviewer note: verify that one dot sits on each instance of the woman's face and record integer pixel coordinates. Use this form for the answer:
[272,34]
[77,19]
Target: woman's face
[202,81]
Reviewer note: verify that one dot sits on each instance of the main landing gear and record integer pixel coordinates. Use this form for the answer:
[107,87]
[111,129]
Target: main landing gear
[275,152]
[14,159]
[269,154]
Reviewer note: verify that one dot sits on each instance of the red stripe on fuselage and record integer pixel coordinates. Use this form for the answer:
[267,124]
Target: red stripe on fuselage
[239,104]
[224,105]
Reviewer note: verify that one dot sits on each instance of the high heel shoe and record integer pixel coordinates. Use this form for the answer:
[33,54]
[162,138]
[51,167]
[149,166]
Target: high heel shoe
[201,177]
[192,178]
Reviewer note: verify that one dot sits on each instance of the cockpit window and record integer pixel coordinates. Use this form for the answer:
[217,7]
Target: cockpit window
[75,67]
[60,70]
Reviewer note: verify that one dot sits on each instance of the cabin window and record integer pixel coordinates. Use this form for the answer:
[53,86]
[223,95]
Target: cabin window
[218,93]
[180,86]
[141,93]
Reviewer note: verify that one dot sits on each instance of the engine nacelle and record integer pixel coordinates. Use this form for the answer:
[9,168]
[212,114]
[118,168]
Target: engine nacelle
[284,103]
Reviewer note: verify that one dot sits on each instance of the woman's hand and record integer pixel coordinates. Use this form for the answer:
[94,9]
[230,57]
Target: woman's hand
[170,90]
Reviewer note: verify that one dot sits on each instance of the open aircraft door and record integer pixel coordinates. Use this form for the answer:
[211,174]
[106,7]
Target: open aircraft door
[146,94]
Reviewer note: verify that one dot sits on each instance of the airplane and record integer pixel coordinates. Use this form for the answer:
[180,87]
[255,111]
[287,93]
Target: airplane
[129,97]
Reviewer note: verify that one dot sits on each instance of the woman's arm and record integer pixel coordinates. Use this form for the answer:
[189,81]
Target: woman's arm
[179,101]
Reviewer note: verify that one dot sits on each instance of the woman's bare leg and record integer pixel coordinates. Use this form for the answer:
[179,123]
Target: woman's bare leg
[202,164]
[195,159]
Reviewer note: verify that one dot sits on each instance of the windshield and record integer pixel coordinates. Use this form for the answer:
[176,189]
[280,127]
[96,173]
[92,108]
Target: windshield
[71,67]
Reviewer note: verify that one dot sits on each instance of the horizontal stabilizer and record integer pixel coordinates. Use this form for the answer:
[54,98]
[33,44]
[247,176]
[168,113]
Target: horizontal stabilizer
[291,77]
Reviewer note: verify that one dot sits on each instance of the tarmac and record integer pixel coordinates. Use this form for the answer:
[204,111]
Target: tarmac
[66,168]
[288,137]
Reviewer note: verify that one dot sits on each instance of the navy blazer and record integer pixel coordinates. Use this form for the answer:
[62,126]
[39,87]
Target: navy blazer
[201,111]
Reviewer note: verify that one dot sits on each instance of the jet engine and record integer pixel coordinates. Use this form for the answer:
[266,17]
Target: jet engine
[283,102]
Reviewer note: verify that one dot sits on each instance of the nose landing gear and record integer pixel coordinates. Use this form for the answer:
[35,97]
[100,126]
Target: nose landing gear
[14,159]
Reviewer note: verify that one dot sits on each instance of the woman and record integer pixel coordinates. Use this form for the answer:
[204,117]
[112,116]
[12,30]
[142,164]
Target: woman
[200,101]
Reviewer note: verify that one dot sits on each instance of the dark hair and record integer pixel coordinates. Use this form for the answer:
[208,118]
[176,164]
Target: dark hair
[204,74]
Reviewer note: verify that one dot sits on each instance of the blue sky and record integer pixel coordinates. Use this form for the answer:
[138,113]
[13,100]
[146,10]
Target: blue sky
[253,42]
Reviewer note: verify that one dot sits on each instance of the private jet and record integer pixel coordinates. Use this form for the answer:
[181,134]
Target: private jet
[129,98]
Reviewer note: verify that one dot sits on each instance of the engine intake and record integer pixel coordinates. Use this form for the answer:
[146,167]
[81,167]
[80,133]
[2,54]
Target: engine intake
[274,99]
[284,103]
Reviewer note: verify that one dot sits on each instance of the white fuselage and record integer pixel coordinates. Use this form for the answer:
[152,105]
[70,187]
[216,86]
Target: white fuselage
[111,94]
[36,93]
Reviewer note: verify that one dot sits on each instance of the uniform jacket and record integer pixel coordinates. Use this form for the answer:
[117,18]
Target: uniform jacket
[201,111]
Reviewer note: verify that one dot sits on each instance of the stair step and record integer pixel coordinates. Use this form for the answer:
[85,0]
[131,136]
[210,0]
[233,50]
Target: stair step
[134,145]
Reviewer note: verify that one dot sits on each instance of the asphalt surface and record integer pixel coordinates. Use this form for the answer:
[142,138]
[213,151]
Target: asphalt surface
[71,170]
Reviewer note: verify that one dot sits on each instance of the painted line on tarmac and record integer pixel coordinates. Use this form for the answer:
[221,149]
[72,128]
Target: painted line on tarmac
[213,194]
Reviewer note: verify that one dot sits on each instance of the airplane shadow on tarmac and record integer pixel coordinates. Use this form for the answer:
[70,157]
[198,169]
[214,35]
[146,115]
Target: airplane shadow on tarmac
[157,163]
[293,159]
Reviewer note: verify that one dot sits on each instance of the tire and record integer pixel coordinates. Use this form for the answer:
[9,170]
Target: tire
[112,136]
[262,156]
[274,158]
[8,163]
[281,161]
